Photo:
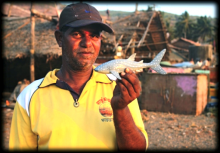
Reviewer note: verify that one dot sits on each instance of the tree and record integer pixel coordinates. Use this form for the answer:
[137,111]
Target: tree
[204,28]
[150,8]
[183,25]
[192,34]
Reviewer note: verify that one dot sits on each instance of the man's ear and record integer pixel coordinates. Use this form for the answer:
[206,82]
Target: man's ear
[59,37]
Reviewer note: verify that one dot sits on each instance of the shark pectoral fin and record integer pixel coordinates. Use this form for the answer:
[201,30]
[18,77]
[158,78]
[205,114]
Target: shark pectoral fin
[111,77]
[116,74]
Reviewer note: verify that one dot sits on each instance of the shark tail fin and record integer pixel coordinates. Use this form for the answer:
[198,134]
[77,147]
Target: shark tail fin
[155,63]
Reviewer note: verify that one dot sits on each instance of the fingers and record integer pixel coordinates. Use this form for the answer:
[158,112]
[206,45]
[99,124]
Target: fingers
[131,78]
[126,90]
[130,82]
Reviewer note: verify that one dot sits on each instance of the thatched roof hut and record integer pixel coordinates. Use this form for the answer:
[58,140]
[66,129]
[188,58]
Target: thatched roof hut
[17,43]
[16,50]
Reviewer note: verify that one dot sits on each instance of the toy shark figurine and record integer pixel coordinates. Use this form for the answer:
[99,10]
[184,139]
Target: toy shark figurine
[118,65]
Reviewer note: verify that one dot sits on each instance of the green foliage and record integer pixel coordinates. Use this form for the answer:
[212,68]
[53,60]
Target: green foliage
[190,27]
[204,28]
[184,25]
[150,8]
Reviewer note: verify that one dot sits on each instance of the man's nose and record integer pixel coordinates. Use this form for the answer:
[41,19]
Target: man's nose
[86,42]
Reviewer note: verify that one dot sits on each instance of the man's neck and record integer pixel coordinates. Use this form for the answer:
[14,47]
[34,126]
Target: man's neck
[75,79]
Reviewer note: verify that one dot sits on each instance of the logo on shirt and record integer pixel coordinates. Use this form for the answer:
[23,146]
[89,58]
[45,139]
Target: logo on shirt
[105,109]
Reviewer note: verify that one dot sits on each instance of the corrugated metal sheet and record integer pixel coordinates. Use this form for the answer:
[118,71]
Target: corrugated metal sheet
[175,93]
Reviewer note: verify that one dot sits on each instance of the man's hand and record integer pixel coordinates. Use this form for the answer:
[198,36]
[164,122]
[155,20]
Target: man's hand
[128,136]
[126,90]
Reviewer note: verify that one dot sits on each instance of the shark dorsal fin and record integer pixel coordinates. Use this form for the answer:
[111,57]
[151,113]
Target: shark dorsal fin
[132,57]
[141,61]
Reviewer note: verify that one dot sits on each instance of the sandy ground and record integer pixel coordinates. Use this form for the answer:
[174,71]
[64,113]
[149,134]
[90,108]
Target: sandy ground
[179,132]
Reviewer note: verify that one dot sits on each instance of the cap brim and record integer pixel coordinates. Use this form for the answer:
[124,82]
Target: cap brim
[80,23]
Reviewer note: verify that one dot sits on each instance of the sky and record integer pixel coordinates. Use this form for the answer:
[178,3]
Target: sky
[196,8]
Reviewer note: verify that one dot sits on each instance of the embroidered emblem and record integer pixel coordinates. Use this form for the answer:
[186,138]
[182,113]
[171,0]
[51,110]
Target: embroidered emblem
[87,11]
[105,109]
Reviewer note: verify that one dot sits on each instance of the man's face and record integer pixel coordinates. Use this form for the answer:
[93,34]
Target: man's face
[80,47]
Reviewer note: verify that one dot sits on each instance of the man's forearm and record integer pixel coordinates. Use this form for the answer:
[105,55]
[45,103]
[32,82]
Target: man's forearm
[128,136]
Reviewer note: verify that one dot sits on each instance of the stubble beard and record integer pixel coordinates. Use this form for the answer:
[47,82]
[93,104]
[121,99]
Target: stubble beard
[75,63]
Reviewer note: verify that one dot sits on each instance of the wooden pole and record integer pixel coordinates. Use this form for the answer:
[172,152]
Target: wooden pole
[57,10]
[118,42]
[133,44]
[17,29]
[147,28]
[131,40]
[136,8]
[129,43]
[32,73]
[41,15]
[9,10]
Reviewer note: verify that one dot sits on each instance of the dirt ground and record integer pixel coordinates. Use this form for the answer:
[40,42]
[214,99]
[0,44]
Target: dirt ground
[166,131]
[177,132]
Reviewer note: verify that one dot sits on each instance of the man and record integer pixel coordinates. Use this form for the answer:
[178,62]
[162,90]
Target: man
[75,107]
[18,89]
[24,84]
[15,92]
[206,64]
[199,62]
[108,13]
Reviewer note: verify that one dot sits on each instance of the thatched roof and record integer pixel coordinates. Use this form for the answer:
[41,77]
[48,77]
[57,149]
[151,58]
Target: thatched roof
[18,43]
[22,9]
[17,29]
[145,32]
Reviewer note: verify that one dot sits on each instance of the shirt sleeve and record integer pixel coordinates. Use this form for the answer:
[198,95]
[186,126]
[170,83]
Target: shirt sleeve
[21,135]
[136,114]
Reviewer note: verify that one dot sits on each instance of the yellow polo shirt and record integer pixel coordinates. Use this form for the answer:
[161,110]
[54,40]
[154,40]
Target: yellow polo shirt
[45,117]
